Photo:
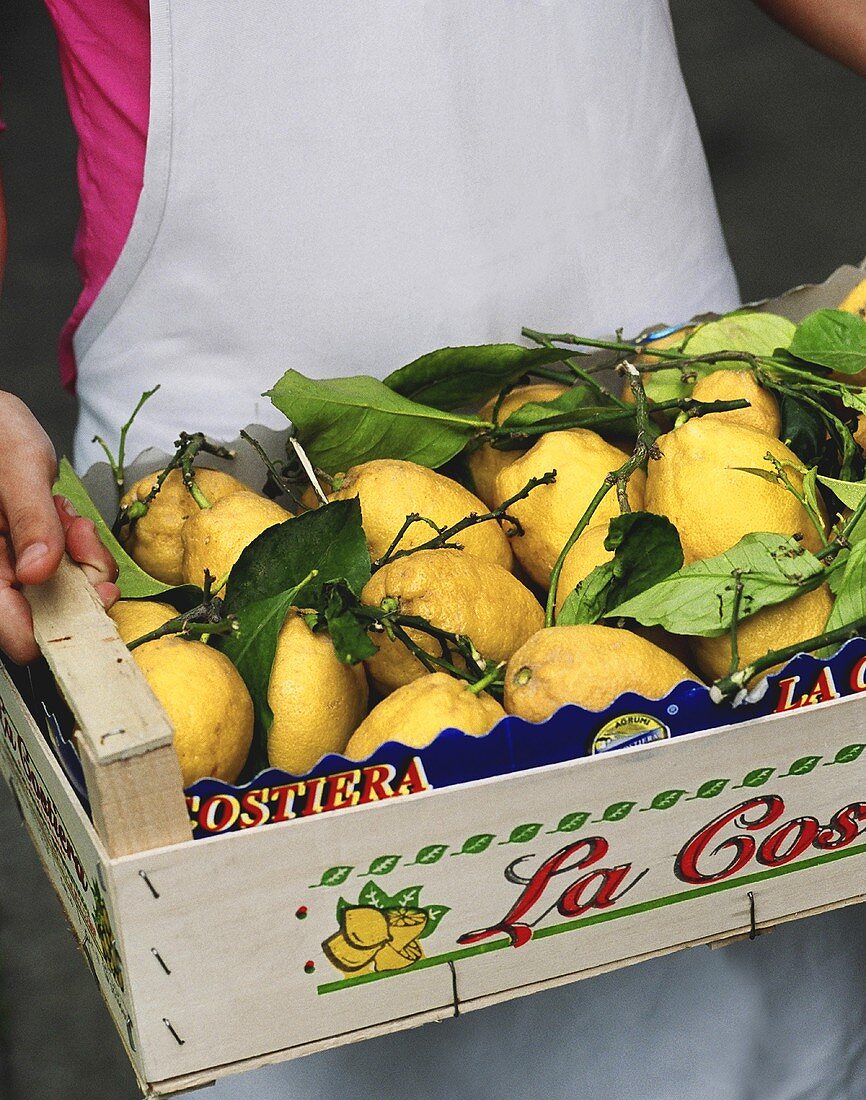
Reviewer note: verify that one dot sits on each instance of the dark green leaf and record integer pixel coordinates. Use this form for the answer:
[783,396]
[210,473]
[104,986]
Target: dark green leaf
[476,844]
[848,754]
[804,765]
[383,865]
[803,429]
[431,854]
[435,913]
[334,876]
[850,602]
[571,823]
[373,895]
[831,338]
[699,599]
[646,550]
[711,788]
[758,777]
[618,811]
[348,633]
[342,906]
[453,378]
[665,799]
[342,422]
[520,834]
[132,581]
[408,898]
[329,540]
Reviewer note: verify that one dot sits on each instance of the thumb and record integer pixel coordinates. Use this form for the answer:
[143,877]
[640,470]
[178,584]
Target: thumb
[27,469]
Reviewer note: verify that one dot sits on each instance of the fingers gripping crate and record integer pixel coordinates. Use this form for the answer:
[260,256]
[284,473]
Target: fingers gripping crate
[391,915]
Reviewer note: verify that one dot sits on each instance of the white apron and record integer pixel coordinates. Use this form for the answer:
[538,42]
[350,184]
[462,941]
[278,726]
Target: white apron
[339,186]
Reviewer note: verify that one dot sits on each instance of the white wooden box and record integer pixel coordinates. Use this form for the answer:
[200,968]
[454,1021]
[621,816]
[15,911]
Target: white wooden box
[561,872]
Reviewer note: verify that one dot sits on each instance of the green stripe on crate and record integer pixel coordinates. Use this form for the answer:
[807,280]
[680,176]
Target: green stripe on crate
[599,918]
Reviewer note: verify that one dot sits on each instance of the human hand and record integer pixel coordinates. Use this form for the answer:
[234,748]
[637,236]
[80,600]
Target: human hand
[36,528]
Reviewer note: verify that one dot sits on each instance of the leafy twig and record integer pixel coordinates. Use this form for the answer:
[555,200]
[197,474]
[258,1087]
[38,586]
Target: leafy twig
[735,616]
[276,475]
[117,465]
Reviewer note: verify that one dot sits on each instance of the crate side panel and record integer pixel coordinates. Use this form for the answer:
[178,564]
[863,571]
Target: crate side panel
[584,865]
[68,848]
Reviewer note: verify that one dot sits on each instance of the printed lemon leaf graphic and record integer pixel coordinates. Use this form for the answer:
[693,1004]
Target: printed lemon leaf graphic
[710,789]
[435,913]
[571,823]
[617,811]
[665,799]
[334,876]
[382,865]
[523,833]
[431,854]
[476,844]
[408,898]
[342,906]
[848,754]
[757,778]
[803,766]
[372,895]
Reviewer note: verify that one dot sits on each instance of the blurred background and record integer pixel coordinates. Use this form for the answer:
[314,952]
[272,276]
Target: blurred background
[784,135]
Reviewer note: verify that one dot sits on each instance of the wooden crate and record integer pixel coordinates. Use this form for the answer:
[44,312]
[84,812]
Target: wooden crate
[560,873]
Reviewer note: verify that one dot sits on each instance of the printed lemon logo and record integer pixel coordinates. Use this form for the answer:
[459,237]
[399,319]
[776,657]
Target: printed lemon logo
[635,729]
[376,938]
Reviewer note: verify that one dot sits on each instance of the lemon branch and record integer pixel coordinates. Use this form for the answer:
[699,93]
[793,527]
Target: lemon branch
[444,535]
[276,477]
[117,465]
[732,685]
[735,616]
[645,448]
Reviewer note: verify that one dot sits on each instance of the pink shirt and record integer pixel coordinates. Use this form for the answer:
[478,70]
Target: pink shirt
[105,61]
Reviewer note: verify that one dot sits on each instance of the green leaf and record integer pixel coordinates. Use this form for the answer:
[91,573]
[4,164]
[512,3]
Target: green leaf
[341,422]
[617,811]
[435,913]
[334,876]
[571,823]
[383,865]
[804,765]
[408,898]
[758,777]
[833,339]
[803,428]
[476,844]
[850,603]
[452,378]
[571,409]
[329,540]
[431,854]
[699,599]
[348,633]
[851,493]
[373,895]
[520,834]
[646,550]
[757,333]
[665,799]
[711,788]
[848,754]
[132,581]
[342,906]
[852,399]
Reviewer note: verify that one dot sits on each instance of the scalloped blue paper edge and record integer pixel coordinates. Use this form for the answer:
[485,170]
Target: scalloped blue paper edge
[513,745]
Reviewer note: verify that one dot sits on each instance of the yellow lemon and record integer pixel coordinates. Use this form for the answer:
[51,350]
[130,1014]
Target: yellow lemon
[214,538]
[855,300]
[712,504]
[365,926]
[404,926]
[762,413]
[860,432]
[135,618]
[457,593]
[387,958]
[154,541]
[487,461]
[207,702]
[316,700]
[774,627]
[587,665]
[415,713]
[345,956]
[549,514]
[389,490]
